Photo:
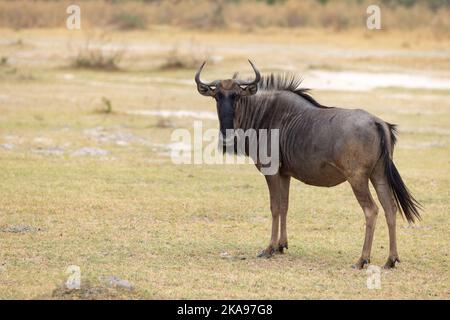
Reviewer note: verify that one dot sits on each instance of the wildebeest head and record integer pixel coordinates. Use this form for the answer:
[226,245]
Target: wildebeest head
[227,93]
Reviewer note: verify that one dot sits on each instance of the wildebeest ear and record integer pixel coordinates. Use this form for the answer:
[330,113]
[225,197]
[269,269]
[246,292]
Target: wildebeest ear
[205,90]
[249,90]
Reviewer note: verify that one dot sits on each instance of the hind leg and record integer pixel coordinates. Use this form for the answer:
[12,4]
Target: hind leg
[360,186]
[385,196]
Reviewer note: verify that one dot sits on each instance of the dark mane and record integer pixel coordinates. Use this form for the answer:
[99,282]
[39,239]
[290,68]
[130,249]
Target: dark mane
[287,82]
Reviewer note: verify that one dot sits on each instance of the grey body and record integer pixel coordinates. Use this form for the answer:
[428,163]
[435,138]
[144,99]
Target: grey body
[319,146]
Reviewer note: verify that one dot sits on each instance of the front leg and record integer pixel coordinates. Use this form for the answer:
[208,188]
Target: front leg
[273,182]
[284,204]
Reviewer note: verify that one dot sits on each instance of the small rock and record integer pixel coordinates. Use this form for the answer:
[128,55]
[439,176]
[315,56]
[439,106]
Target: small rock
[18,229]
[68,76]
[88,151]
[225,255]
[116,282]
[7,146]
[122,142]
[43,141]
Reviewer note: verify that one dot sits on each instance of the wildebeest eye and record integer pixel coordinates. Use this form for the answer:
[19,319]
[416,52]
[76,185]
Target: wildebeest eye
[233,96]
[219,95]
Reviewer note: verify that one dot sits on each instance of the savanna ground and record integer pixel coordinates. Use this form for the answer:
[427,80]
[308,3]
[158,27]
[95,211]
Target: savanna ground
[122,208]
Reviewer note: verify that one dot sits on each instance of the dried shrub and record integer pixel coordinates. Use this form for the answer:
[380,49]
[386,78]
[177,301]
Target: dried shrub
[175,59]
[128,21]
[98,56]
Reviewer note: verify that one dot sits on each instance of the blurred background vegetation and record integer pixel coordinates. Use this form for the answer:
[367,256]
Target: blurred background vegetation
[246,15]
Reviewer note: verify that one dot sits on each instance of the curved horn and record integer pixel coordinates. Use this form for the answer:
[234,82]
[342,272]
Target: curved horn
[257,76]
[197,77]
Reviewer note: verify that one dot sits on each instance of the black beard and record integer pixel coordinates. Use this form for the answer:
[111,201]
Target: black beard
[228,144]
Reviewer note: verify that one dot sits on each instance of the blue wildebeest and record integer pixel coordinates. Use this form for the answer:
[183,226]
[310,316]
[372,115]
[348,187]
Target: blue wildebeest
[318,145]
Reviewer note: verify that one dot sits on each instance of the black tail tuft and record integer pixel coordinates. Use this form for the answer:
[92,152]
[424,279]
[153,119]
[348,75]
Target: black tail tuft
[405,201]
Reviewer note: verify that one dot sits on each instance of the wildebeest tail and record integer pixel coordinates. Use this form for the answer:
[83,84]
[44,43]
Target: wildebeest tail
[405,201]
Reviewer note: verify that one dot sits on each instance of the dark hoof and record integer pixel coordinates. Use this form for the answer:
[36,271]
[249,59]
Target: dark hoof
[390,263]
[266,253]
[281,248]
[361,263]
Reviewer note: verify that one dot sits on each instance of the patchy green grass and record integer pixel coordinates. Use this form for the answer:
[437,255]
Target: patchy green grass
[127,211]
